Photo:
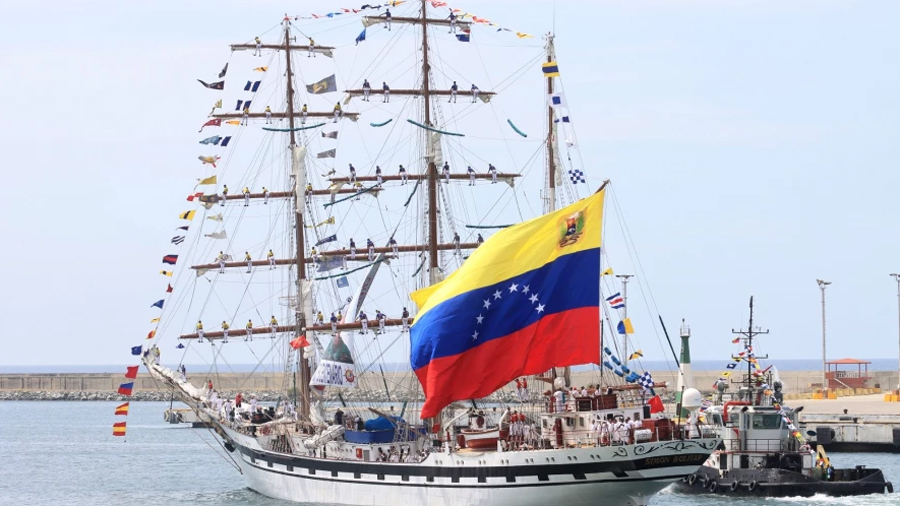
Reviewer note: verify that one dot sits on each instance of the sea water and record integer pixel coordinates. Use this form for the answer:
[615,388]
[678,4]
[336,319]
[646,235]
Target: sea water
[64,454]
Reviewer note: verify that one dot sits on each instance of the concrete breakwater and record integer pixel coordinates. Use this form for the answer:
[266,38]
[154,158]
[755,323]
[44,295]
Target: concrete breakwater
[100,386]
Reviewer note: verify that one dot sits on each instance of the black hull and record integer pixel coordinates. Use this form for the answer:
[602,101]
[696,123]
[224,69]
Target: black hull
[782,483]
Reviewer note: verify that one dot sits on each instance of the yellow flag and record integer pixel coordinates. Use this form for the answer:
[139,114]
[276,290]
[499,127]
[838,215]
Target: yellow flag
[625,326]
[261,69]
[166,273]
[209,180]
[155,320]
[218,104]
[187,215]
[233,122]
[607,272]
[636,354]
[329,221]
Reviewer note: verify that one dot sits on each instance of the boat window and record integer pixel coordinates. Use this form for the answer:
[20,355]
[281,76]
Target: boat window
[717,419]
[768,422]
[581,422]
[544,423]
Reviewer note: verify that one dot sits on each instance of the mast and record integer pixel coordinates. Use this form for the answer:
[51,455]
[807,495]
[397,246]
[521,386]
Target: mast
[748,338]
[550,200]
[302,397]
[432,170]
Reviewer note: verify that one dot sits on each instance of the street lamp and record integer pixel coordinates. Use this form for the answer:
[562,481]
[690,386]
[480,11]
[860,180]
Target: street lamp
[822,285]
[897,279]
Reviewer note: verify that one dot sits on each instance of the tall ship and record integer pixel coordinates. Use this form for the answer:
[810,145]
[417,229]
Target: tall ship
[387,271]
[764,452]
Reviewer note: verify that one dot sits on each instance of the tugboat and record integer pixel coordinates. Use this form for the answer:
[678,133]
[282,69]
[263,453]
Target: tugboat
[762,451]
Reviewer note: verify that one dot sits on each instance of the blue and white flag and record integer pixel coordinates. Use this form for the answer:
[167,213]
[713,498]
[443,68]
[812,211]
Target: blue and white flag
[178,239]
[646,382]
[328,239]
[214,140]
[361,37]
[158,304]
[329,264]
[576,176]
[225,141]
[557,100]
[136,350]
[342,282]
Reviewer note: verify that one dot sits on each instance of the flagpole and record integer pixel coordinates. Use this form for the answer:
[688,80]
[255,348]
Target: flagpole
[624,278]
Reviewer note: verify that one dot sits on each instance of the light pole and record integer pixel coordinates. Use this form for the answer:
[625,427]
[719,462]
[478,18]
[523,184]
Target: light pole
[822,285]
[897,279]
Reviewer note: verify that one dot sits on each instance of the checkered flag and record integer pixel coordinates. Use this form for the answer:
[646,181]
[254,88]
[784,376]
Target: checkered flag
[646,382]
[576,176]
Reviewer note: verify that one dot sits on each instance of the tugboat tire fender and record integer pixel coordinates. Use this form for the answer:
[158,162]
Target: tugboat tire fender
[704,481]
[890,487]
[713,485]
[753,485]
[685,478]
[734,485]
[692,479]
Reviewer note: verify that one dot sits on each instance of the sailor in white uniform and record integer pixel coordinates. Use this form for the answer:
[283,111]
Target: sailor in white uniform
[199,331]
[304,112]
[273,326]
[249,260]
[367,88]
[334,322]
[246,196]
[394,247]
[456,242]
[386,90]
[221,259]
[475,91]
[387,19]
[493,171]
[266,193]
[352,249]
[364,321]
[370,246]
[453,89]
[403,177]
[405,320]
[352,174]
[271,256]
[225,328]
[447,172]
[452,22]
[224,195]
[378,177]
[379,316]
[249,327]
[312,48]
[471,172]
[258,50]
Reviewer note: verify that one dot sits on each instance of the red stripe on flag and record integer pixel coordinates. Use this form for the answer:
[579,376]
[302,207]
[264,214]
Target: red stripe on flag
[570,337]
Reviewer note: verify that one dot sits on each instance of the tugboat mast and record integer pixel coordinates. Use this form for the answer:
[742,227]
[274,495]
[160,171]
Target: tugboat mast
[747,337]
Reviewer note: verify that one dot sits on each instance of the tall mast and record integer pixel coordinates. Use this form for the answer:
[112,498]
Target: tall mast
[303,364]
[748,339]
[550,200]
[432,169]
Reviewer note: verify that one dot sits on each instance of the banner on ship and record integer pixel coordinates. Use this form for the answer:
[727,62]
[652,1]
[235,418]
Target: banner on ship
[336,366]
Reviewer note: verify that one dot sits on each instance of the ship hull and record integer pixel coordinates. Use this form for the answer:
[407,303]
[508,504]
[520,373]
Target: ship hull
[620,475]
[780,483]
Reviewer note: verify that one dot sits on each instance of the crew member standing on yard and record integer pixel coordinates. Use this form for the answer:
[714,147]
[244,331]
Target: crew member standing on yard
[386,90]
[249,260]
[320,318]
[364,321]
[338,112]
[493,171]
[387,19]
[456,242]
[265,195]
[271,257]
[447,172]
[258,51]
[334,322]
[471,172]
[312,48]
[224,195]
[403,176]
[304,112]
[394,247]
[352,173]
[378,175]
[453,89]
[474,93]
[370,246]
[246,116]
[352,249]
[405,320]
[379,316]
[246,196]
[221,259]
[273,326]
[199,331]
[367,88]
[480,240]
[225,328]
[249,327]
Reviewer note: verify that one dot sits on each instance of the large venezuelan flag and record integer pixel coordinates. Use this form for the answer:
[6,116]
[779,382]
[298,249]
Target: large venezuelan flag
[525,301]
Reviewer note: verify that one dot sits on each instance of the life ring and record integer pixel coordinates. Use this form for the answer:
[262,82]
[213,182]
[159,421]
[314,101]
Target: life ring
[753,485]
[692,479]
[684,479]
[734,485]
[713,485]
[359,453]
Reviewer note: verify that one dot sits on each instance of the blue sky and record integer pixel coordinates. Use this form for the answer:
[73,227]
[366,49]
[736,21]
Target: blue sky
[752,146]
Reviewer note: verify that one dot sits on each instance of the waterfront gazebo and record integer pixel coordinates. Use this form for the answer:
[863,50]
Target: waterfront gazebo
[847,378]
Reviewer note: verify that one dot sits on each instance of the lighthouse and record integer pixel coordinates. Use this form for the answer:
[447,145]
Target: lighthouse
[685,377]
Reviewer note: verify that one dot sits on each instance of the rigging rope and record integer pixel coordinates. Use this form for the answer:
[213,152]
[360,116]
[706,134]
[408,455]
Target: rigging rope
[295,129]
[487,226]
[523,134]
[426,127]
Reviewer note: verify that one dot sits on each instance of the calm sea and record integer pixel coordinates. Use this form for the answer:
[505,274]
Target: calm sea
[63,453]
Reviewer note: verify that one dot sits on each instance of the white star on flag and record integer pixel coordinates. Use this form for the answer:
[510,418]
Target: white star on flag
[497,295]
[533,298]
[540,308]
[513,288]
[487,303]
[479,318]
[475,336]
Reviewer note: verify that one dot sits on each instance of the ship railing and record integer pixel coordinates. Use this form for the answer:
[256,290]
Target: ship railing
[759,445]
